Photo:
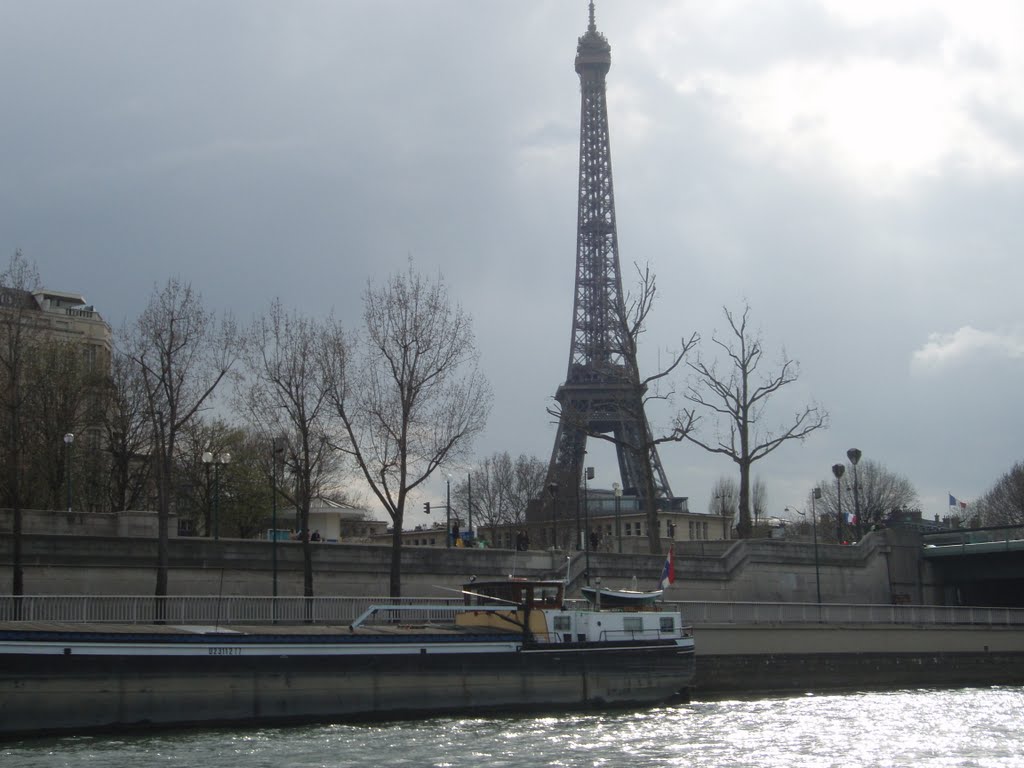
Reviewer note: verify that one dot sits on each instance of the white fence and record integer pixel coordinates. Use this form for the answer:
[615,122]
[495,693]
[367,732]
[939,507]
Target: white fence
[214,610]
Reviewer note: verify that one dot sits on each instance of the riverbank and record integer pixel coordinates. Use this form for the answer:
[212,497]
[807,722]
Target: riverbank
[803,658]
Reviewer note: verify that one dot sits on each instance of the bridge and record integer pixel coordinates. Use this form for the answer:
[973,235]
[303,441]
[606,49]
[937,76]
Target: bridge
[979,566]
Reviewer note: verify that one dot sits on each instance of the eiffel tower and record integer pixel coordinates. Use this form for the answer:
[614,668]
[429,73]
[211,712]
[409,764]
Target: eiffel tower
[602,392]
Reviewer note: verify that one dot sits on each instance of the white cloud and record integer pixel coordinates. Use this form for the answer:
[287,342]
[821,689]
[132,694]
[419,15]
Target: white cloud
[944,349]
[884,115]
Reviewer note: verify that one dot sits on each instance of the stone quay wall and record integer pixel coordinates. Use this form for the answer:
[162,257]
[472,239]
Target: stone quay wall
[736,659]
[884,568]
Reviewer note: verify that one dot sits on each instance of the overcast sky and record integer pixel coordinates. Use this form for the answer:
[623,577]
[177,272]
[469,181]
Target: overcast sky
[854,169]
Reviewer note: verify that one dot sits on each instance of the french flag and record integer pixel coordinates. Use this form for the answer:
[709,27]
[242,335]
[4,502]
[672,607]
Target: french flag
[668,572]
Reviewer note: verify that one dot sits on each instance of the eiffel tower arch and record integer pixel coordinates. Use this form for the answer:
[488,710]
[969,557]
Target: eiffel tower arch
[602,393]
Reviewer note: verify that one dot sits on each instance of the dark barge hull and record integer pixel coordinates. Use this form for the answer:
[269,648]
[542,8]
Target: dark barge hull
[229,681]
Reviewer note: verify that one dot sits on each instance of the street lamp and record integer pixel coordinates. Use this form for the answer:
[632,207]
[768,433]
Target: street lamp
[617,490]
[448,515]
[553,492]
[469,505]
[838,470]
[854,456]
[588,475]
[217,461]
[68,440]
[576,490]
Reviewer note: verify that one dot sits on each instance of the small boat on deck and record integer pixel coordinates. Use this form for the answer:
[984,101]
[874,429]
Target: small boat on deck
[511,645]
[603,597]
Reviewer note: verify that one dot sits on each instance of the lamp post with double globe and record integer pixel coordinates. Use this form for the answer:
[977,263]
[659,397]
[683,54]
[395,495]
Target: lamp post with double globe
[588,475]
[217,461]
[553,492]
[617,490]
[275,450]
[839,470]
[69,440]
[854,455]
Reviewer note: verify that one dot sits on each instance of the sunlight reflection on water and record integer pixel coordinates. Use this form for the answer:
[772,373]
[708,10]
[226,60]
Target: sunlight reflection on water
[969,727]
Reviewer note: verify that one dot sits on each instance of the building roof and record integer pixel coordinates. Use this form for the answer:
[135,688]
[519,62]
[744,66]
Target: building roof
[321,505]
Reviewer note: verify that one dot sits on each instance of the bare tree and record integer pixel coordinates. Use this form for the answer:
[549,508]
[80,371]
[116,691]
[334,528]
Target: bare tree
[248,490]
[486,491]
[881,492]
[407,391]
[16,339]
[62,399]
[128,435]
[725,495]
[500,489]
[724,501]
[759,500]
[287,395]
[1003,504]
[238,491]
[528,474]
[195,480]
[738,397]
[183,353]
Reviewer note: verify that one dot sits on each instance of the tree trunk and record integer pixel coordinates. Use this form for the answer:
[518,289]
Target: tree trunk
[396,557]
[163,518]
[18,577]
[744,528]
[307,548]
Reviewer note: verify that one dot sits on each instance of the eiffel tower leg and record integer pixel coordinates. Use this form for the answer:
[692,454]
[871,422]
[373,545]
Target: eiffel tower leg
[565,470]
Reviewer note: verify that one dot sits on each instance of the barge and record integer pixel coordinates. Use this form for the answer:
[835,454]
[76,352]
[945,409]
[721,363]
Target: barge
[512,645]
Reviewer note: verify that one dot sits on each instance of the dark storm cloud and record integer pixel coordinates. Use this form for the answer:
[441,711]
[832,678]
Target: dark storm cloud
[298,150]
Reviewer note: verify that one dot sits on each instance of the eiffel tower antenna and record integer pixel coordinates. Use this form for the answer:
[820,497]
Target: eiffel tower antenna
[602,393]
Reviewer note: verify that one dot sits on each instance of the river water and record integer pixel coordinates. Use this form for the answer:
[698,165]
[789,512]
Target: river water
[968,727]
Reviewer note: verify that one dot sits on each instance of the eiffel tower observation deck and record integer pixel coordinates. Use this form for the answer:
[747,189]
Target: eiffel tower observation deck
[602,393]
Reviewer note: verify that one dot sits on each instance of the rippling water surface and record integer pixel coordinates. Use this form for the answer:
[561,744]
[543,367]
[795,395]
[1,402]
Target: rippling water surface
[970,727]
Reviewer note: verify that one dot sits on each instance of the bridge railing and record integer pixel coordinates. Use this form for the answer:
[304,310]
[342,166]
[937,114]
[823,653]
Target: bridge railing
[213,610]
[963,536]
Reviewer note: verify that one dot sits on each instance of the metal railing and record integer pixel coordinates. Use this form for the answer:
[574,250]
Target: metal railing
[420,612]
[213,610]
[964,536]
[842,613]
[649,633]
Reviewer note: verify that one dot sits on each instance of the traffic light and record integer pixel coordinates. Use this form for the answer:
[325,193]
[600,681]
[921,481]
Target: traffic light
[426,507]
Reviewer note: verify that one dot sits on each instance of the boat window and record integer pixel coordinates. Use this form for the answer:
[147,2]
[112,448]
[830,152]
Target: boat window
[633,623]
[563,623]
[668,623]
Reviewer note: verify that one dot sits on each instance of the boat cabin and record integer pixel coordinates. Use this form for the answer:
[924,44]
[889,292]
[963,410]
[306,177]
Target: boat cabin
[515,592]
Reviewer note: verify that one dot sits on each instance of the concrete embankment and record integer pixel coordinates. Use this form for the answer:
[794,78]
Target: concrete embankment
[882,569]
[737,659]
